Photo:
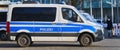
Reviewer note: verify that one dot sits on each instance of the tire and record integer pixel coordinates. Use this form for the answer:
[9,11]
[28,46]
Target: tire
[3,36]
[85,40]
[24,40]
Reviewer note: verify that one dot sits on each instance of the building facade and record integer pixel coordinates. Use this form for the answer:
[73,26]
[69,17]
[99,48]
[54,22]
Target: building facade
[100,9]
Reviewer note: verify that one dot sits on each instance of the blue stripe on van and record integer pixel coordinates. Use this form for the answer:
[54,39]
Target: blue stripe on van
[15,29]
[78,28]
[49,27]
[2,25]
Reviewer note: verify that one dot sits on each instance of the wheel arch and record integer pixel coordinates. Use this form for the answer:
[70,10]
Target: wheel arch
[2,29]
[21,34]
[86,32]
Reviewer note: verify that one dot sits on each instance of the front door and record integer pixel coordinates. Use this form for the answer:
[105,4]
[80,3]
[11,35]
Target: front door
[70,30]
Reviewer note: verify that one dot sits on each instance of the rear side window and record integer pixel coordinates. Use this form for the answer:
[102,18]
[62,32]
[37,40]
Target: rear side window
[33,14]
[3,16]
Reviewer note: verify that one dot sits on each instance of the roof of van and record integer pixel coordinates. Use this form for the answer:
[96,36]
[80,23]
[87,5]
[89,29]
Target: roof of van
[39,5]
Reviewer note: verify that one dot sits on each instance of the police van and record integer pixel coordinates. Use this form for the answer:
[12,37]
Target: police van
[27,23]
[3,17]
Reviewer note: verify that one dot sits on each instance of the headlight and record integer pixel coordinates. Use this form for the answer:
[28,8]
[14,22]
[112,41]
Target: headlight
[98,27]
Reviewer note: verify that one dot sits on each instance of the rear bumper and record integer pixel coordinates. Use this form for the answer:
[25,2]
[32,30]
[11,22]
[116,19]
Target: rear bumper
[11,37]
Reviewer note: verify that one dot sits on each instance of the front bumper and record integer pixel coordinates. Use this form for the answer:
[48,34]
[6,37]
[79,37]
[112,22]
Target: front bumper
[100,36]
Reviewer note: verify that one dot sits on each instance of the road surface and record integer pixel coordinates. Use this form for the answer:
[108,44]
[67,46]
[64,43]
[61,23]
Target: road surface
[107,44]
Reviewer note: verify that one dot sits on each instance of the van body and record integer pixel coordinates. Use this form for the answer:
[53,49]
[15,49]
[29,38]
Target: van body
[50,22]
[3,17]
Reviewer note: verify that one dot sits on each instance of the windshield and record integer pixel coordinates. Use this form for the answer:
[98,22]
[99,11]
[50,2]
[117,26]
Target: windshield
[89,17]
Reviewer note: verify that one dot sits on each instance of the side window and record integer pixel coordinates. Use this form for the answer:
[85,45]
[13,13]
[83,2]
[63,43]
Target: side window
[33,14]
[3,16]
[70,15]
[22,14]
[45,14]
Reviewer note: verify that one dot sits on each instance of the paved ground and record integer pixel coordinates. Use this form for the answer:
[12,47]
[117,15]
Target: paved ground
[107,44]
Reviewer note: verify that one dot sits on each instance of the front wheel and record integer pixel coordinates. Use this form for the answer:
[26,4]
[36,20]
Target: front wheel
[23,40]
[85,40]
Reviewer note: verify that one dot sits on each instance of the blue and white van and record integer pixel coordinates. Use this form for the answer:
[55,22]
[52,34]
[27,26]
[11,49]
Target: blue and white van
[50,22]
[3,17]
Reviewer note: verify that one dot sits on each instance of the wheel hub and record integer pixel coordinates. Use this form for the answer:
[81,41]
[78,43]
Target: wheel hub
[23,40]
[86,40]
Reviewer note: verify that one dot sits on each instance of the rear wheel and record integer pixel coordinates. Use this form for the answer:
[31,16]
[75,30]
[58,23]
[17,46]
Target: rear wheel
[85,40]
[3,35]
[24,40]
